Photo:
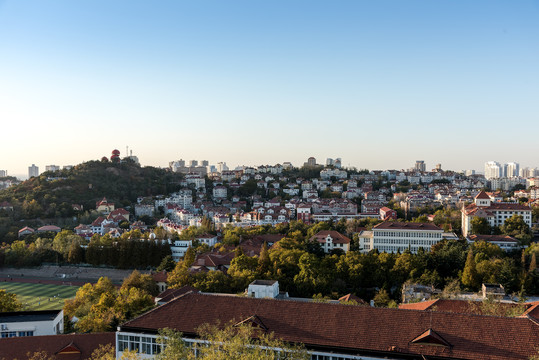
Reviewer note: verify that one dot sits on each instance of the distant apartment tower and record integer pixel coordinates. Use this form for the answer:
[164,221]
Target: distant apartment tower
[3,173]
[420,165]
[438,167]
[52,168]
[512,169]
[192,163]
[33,171]
[469,172]
[527,172]
[221,166]
[310,162]
[493,170]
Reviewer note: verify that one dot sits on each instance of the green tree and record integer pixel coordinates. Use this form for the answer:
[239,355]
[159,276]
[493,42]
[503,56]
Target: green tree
[166,264]
[480,226]
[229,342]
[517,227]
[140,281]
[9,302]
[469,274]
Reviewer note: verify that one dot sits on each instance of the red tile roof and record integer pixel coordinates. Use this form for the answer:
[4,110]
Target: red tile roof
[396,225]
[504,238]
[354,329]
[482,195]
[336,236]
[160,276]
[56,346]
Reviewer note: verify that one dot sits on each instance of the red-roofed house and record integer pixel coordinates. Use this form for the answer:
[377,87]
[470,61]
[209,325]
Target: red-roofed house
[104,207]
[25,231]
[387,213]
[495,213]
[330,240]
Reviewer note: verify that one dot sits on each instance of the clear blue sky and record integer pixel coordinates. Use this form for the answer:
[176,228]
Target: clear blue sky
[378,83]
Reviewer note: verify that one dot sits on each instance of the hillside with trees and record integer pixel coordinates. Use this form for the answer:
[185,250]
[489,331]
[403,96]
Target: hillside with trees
[51,196]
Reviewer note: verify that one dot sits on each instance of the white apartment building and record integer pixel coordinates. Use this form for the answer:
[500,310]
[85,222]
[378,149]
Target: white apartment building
[495,213]
[52,168]
[31,323]
[219,192]
[493,170]
[392,236]
[33,171]
[179,248]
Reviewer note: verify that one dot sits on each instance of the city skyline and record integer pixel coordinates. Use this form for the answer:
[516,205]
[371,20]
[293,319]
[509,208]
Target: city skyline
[378,84]
[319,161]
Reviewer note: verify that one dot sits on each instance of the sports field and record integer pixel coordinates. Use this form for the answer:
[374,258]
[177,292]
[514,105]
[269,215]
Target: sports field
[40,296]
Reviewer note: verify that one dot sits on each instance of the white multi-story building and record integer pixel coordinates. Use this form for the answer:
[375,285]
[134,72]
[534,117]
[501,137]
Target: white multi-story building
[512,169]
[31,323]
[179,249]
[33,171]
[195,179]
[495,213]
[493,170]
[52,168]
[219,192]
[392,237]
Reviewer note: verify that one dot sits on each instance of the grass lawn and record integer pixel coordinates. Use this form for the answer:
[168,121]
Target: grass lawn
[40,296]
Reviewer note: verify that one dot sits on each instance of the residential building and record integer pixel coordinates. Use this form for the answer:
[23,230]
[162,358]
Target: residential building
[31,323]
[3,173]
[33,171]
[330,240]
[207,239]
[179,248]
[493,170]
[392,236]
[512,169]
[420,166]
[144,210]
[505,242]
[338,331]
[52,168]
[25,231]
[104,207]
[219,192]
[387,213]
[495,213]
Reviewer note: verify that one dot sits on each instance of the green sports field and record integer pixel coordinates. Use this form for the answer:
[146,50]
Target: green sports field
[40,296]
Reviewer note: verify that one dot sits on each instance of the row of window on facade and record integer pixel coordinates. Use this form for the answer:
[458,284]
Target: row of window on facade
[408,234]
[149,346]
[9,334]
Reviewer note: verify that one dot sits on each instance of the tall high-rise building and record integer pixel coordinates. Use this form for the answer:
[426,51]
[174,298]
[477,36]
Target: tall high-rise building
[204,163]
[192,163]
[33,171]
[420,165]
[3,173]
[512,169]
[221,166]
[493,170]
[310,162]
[527,172]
